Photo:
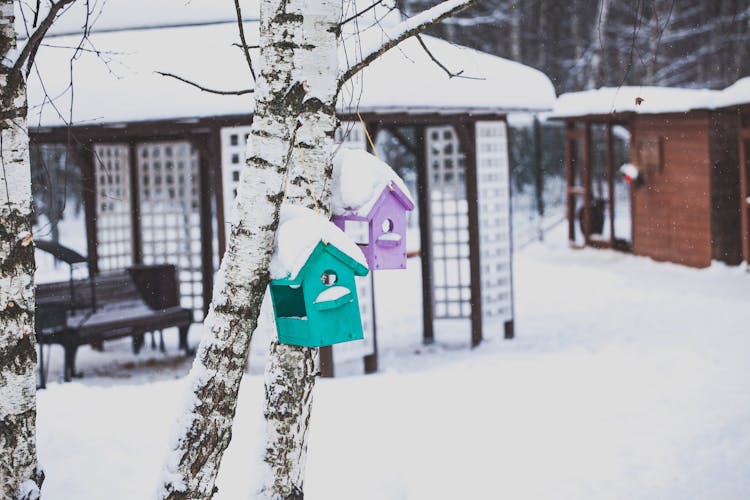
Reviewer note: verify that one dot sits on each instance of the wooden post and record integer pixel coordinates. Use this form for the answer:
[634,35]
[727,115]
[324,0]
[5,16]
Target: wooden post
[744,157]
[611,182]
[135,203]
[466,136]
[425,235]
[539,171]
[218,183]
[570,165]
[371,360]
[587,178]
[207,158]
[84,155]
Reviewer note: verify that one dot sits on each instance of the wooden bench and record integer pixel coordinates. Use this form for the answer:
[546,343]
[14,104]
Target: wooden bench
[127,303]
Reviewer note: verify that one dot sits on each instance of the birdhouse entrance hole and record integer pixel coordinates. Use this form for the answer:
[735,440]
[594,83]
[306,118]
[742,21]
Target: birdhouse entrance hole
[329,277]
[290,302]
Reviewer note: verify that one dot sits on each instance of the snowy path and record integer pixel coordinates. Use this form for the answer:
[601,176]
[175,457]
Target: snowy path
[628,379]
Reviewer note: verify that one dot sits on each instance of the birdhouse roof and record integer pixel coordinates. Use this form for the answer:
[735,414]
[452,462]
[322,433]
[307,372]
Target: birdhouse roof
[359,180]
[301,234]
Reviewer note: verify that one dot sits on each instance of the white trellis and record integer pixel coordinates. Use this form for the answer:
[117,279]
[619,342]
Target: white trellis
[169,195]
[495,244]
[114,228]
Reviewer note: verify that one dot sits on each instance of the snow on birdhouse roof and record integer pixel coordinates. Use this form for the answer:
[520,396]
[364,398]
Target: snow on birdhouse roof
[642,99]
[359,179]
[299,233]
[115,80]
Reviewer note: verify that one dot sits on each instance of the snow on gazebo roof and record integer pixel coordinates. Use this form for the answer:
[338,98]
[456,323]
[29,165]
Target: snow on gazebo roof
[359,179]
[300,231]
[120,85]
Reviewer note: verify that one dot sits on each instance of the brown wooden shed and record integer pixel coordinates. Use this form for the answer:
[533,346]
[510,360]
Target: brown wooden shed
[736,100]
[685,203]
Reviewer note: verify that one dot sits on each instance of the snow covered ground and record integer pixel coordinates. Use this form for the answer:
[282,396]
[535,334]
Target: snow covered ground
[627,379]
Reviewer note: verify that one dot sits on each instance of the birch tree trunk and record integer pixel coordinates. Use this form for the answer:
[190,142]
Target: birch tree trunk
[292,370]
[19,474]
[285,90]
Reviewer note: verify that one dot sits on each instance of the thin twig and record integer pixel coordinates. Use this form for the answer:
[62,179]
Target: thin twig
[362,12]
[450,74]
[205,89]
[32,45]
[245,48]
[408,28]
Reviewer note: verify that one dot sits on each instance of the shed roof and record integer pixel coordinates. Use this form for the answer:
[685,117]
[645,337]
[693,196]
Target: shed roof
[119,84]
[648,100]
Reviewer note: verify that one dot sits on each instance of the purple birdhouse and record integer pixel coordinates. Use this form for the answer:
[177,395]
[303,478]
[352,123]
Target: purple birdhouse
[370,203]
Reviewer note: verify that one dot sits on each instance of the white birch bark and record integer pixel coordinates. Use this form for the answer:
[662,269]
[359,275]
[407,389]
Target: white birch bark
[292,370]
[19,474]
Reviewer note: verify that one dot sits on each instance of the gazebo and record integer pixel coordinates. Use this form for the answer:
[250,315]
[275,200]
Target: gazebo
[684,204]
[161,159]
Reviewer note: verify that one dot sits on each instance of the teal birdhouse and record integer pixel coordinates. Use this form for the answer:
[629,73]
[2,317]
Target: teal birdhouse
[315,304]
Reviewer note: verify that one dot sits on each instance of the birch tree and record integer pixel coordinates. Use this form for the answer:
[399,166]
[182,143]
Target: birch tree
[20,475]
[298,82]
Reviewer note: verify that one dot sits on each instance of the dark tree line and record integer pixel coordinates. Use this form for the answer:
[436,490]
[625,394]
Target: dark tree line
[583,44]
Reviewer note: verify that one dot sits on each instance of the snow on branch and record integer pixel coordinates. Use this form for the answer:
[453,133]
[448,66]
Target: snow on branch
[32,45]
[405,29]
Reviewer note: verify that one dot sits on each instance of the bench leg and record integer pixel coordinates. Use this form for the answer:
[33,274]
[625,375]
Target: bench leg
[137,343]
[42,377]
[184,340]
[161,342]
[153,341]
[70,361]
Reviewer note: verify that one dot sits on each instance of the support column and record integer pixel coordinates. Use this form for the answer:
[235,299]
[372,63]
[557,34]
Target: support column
[135,203]
[207,154]
[371,360]
[467,139]
[425,235]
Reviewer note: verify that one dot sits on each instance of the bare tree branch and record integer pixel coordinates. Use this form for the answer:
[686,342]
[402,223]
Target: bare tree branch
[28,53]
[405,29]
[450,74]
[360,13]
[245,48]
[205,89]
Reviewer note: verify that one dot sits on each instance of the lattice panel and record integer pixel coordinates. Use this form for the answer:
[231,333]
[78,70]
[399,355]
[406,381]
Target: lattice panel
[113,206]
[233,155]
[495,246]
[169,189]
[450,224]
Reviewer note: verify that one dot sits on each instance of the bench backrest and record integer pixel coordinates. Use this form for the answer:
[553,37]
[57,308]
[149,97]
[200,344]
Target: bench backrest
[156,285]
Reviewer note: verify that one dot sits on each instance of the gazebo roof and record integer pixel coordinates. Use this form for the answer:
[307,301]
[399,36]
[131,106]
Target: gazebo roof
[119,84]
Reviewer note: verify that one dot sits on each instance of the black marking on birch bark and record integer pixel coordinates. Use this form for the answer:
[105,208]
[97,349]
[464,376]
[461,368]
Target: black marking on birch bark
[260,162]
[18,356]
[287,18]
